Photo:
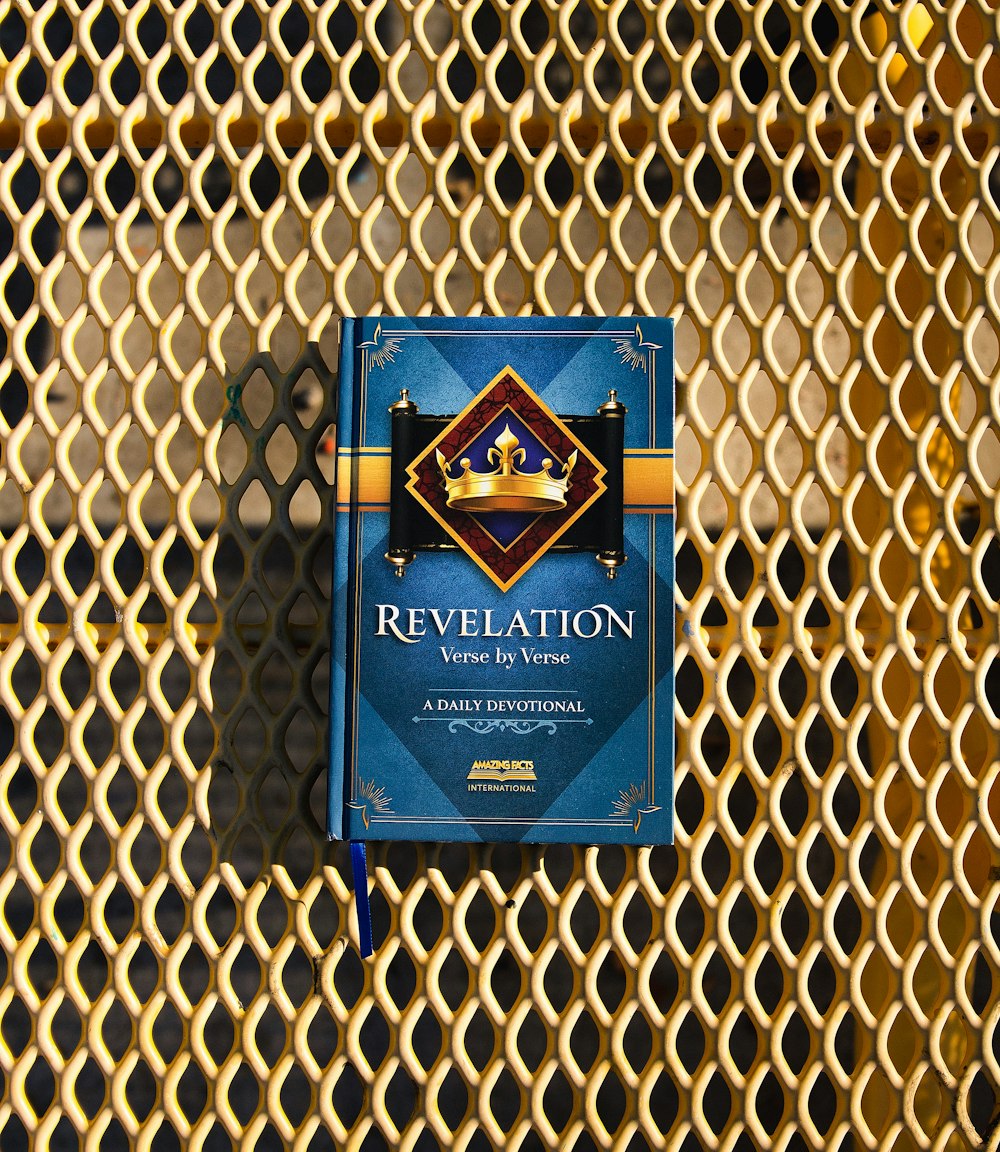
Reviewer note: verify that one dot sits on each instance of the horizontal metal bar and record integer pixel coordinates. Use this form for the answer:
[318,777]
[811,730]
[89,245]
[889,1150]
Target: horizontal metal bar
[733,132]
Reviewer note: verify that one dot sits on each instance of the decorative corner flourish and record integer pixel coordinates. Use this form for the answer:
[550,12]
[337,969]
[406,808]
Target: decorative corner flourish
[381,351]
[632,804]
[635,351]
[372,795]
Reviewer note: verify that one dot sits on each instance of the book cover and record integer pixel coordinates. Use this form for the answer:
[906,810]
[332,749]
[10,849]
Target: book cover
[503,618]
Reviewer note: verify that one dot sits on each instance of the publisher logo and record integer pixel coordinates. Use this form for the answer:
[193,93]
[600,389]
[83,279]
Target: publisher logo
[502,770]
[502,776]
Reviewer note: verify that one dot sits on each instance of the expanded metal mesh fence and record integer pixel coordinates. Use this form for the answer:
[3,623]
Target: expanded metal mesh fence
[192,195]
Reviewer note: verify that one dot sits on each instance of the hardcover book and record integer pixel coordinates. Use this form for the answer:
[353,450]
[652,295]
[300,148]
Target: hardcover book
[503,630]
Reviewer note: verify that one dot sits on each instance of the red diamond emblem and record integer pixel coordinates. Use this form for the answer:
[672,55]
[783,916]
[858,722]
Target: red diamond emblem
[488,474]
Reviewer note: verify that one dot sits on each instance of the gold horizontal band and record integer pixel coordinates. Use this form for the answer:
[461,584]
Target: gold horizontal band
[365,479]
[649,481]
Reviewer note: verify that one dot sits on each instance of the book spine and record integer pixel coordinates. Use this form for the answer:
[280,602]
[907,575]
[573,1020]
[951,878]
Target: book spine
[664,528]
[345,433]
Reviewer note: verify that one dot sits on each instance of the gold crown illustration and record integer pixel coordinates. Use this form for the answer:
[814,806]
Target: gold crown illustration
[506,489]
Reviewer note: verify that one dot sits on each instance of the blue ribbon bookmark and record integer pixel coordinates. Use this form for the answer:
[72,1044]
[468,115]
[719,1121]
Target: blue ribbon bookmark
[359,866]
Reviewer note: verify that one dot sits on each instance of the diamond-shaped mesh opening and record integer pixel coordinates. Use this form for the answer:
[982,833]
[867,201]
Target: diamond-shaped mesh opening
[191,200]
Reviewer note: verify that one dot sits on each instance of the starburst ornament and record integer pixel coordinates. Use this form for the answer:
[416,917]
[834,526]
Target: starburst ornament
[632,804]
[381,352]
[635,351]
[372,795]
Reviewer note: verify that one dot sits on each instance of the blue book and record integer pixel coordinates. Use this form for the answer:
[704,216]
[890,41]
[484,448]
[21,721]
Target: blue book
[503,635]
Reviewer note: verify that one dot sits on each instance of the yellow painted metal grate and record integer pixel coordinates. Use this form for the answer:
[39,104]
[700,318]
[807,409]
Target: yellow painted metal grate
[192,195]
